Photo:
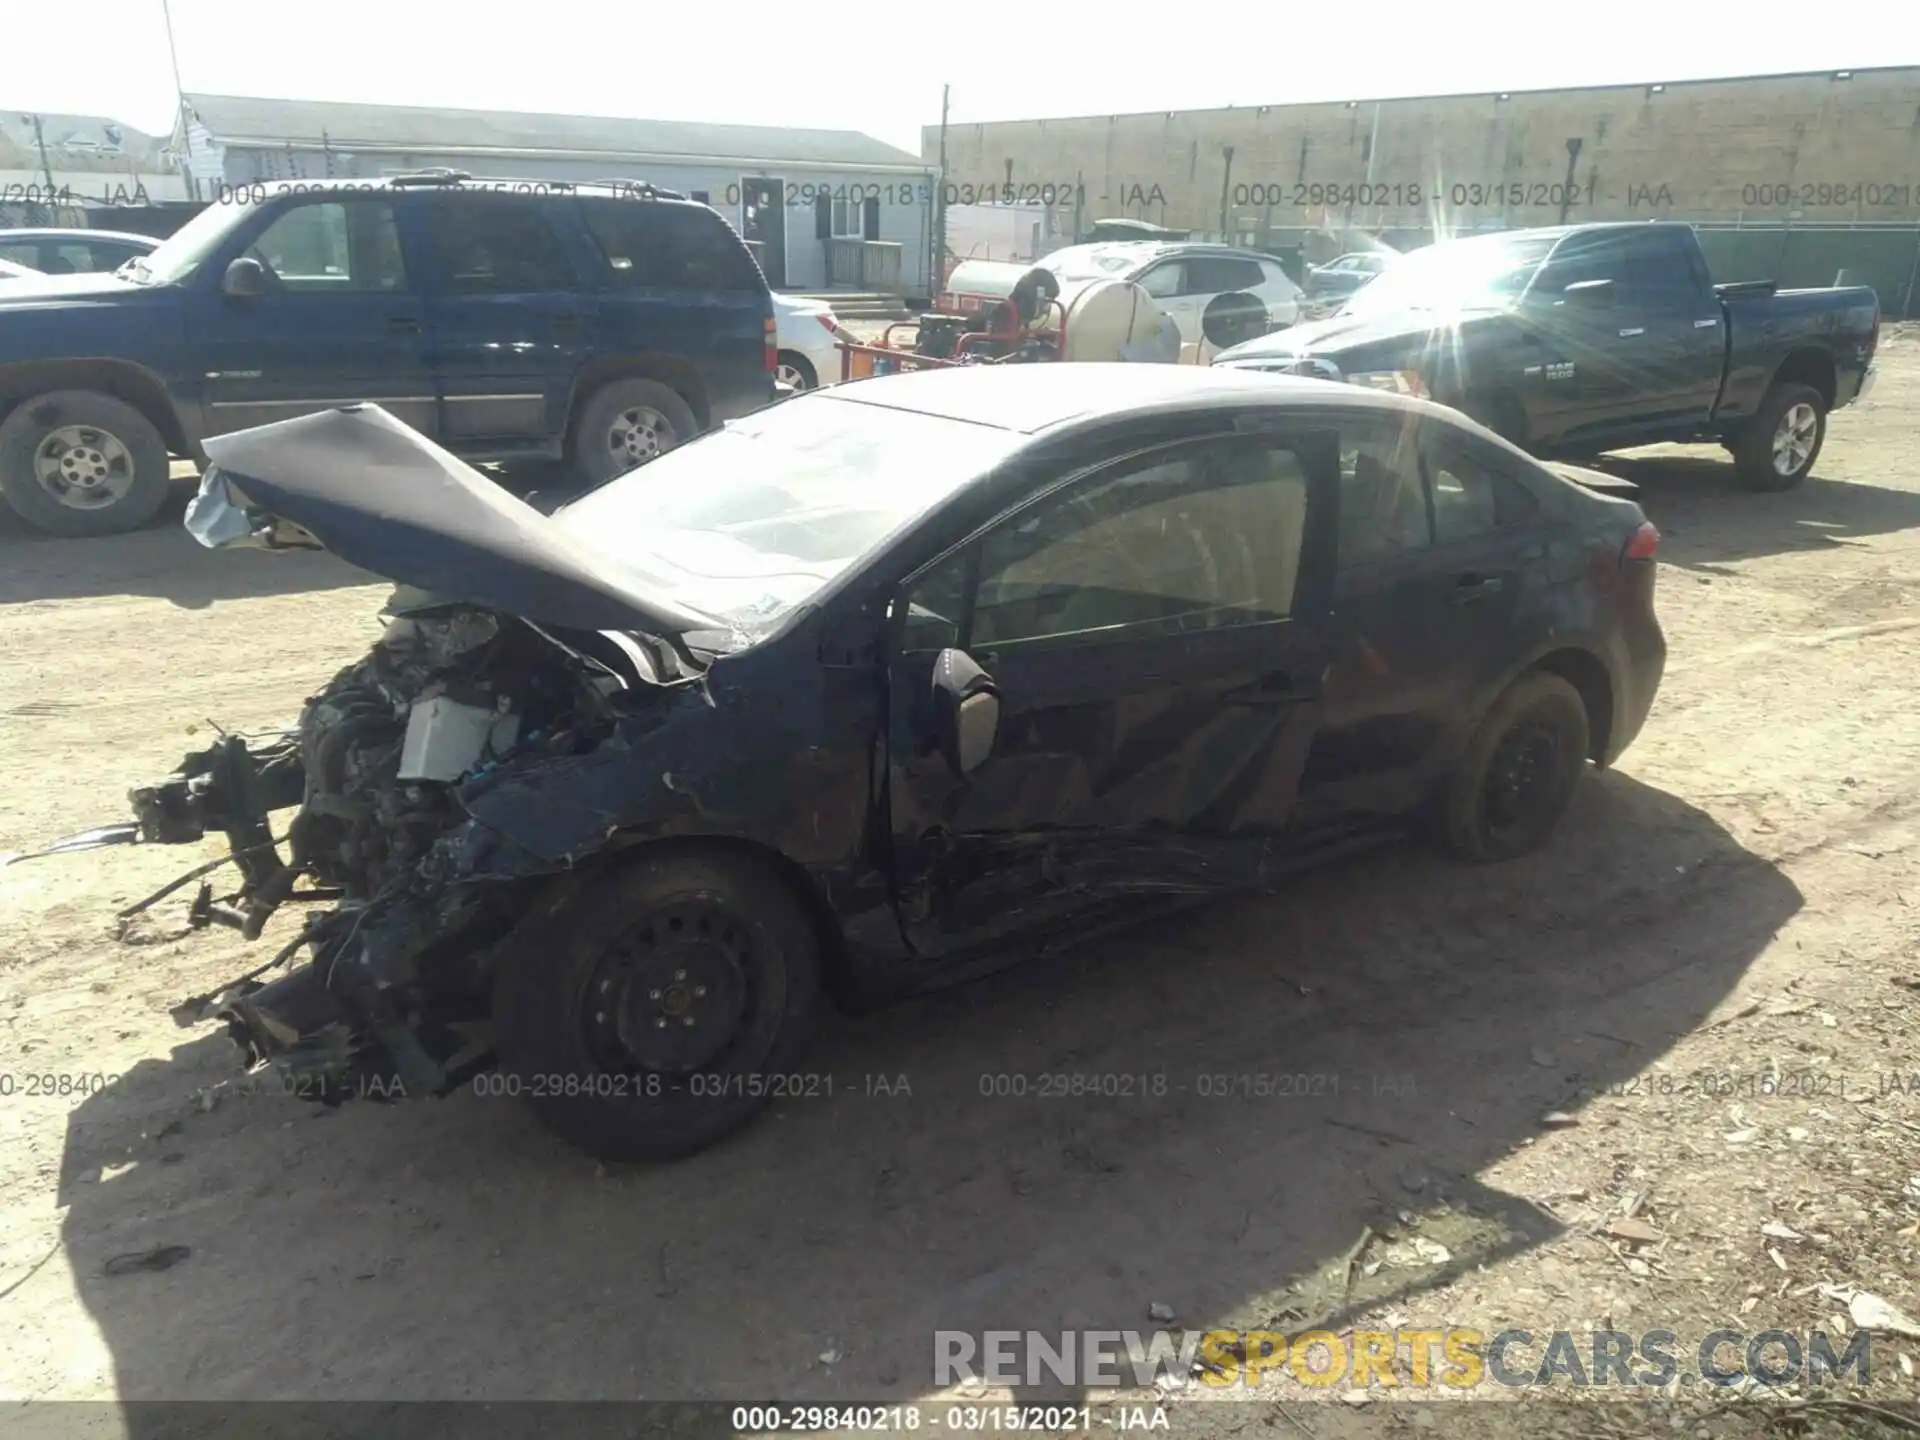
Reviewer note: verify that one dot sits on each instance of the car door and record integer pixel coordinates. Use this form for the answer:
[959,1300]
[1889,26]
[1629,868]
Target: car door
[339,319]
[1167,284]
[1154,633]
[1427,583]
[1667,300]
[1276,288]
[507,317]
[1577,369]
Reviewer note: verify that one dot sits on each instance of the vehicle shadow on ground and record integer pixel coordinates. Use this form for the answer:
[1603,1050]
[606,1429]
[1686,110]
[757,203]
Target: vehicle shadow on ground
[160,560]
[1432,1013]
[1708,518]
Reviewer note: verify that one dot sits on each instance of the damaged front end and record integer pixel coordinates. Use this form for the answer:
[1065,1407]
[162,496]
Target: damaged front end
[396,991]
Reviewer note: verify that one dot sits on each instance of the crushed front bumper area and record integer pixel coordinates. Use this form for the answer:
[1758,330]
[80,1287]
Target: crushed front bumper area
[354,1018]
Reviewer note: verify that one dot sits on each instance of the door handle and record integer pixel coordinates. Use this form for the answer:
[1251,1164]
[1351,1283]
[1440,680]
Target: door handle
[1266,690]
[1470,588]
[1636,330]
[403,322]
[566,322]
[1706,324]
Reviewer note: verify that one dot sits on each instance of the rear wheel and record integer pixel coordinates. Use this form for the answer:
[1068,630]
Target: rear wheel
[796,370]
[1777,449]
[1519,773]
[78,463]
[627,423]
[663,1007]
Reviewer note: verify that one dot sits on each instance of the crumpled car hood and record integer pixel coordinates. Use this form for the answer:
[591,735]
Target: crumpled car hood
[384,497]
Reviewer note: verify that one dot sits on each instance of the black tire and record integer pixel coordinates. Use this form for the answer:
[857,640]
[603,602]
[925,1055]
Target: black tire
[1753,448]
[688,932]
[599,452]
[802,368]
[1543,716]
[118,450]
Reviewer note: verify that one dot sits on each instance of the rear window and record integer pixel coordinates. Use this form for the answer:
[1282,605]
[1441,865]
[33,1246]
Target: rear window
[677,247]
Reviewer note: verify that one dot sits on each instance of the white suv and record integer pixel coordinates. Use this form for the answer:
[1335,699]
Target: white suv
[1183,278]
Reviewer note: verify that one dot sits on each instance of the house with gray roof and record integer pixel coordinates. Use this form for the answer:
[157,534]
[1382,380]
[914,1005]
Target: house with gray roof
[823,209]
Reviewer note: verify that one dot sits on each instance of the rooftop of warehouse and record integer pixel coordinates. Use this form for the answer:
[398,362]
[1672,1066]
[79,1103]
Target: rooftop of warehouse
[248,120]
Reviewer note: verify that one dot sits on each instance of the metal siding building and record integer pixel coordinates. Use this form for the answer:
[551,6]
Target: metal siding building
[821,184]
[1775,159]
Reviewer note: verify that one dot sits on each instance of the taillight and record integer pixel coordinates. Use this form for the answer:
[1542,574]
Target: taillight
[1644,545]
[772,357]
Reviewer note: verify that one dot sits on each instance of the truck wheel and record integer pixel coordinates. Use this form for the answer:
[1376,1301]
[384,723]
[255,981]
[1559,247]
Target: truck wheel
[1519,772]
[77,463]
[1777,449]
[655,1013]
[627,423]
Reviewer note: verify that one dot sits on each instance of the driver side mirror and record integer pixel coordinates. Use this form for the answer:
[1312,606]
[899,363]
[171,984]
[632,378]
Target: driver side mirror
[1589,294]
[245,279]
[966,707]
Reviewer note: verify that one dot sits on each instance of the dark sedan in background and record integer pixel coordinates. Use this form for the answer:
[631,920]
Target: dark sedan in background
[850,695]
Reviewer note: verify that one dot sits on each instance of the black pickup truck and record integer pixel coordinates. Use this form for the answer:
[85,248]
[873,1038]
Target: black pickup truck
[1583,338]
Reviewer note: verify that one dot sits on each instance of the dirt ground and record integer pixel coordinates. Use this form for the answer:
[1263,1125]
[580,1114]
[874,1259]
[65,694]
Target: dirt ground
[1708,982]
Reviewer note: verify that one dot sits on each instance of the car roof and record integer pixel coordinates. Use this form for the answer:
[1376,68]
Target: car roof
[430,184]
[1033,398]
[46,233]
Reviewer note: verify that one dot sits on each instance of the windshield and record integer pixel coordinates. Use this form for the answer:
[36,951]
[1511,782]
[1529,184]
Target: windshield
[180,254]
[1488,271]
[752,520]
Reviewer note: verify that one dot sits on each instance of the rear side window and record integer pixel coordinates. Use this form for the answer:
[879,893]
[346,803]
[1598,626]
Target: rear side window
[1383,507]
[1217,274]
[673,247]
[1471,497]
[483,245]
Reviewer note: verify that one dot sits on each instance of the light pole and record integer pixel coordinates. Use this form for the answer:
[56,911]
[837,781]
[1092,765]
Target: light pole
[40,142]
[180,103]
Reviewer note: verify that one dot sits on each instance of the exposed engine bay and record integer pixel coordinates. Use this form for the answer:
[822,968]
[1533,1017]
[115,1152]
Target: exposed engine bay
[377,766]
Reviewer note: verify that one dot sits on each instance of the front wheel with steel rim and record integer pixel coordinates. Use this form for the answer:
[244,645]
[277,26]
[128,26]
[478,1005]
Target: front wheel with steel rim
[78,463]
[1777,449]
[1519,772]
[626,423]
[656,1011]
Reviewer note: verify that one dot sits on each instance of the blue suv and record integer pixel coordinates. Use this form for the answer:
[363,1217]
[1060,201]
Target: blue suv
[596,325]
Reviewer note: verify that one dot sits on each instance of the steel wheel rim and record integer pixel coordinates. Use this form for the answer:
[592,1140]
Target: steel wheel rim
[1524,778]
[639,433]
[1793,438]
[83,467]
[790,375]
[673,995]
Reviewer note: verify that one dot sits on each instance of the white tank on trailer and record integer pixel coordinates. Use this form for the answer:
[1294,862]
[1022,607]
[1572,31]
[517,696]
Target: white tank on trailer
[1111,319]
[1106,319]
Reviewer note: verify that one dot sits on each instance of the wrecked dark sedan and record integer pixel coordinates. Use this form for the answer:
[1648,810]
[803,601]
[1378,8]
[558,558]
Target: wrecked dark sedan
[869,692]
